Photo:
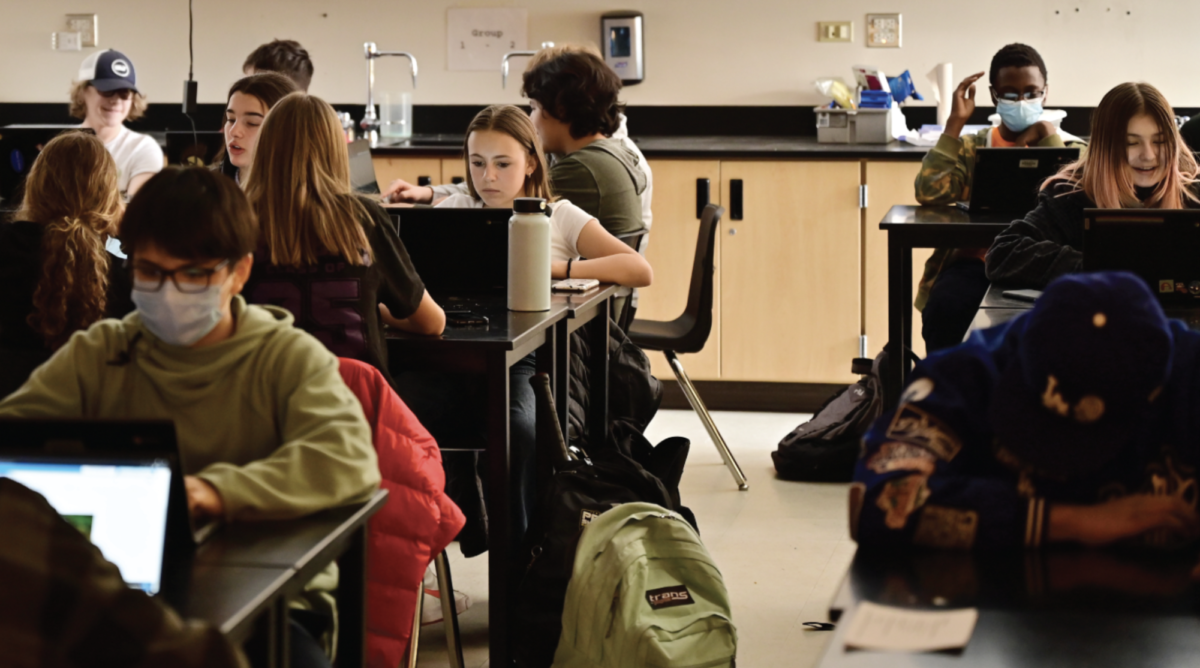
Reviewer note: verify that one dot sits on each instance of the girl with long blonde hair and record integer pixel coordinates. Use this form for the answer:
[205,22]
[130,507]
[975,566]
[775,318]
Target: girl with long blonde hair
[1135,159]
[330,257]
[53,262]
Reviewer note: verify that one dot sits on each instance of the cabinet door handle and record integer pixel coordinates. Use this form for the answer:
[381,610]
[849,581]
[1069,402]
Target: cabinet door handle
[702,196]
[424,181]
[735,199]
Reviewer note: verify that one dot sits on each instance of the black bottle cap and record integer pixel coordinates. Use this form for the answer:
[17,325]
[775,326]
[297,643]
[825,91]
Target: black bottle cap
[529,205]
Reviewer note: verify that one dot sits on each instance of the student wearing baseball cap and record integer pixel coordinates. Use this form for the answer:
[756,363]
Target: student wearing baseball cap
[104,96]
[1071,423]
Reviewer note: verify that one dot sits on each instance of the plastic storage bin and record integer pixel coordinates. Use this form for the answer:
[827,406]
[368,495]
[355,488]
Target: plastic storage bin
[872,126]
[835,126]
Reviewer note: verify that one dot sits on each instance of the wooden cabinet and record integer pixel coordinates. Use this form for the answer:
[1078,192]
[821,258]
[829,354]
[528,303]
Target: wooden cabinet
[451,168]
[888,184]
[671,252]
[790,278]
[388,169]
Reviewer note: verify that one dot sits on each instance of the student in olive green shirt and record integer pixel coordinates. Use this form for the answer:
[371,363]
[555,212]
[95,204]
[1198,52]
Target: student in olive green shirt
[574,107]
[266,427]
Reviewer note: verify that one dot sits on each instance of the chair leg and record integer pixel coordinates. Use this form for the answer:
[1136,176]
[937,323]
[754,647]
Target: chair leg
[701,410]
[449,610]
[414,640]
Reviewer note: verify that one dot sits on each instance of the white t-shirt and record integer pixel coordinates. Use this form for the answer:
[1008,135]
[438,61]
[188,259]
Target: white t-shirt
[134,153]
[566,222]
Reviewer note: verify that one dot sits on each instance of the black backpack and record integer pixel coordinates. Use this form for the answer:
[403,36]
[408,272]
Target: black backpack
[580,489]
[825,448]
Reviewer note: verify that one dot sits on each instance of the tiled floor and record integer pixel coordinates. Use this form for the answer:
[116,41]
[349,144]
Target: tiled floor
[782,547]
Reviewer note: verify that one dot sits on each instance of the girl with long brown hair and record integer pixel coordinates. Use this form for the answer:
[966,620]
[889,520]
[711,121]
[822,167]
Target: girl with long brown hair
[249,100]
[1135,159]
[323,247]
[504,161]
[54,267]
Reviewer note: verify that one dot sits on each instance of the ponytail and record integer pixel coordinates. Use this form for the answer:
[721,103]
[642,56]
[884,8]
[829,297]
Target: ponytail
[73,290]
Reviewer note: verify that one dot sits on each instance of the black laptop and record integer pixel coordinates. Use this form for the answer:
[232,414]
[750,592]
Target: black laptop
[193,149]
[118,482]
[1162,246]
[457,252]
[1007,180]
[19,147]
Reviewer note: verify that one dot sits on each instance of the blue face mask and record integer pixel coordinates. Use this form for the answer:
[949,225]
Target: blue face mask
[1018,115]
[178,318]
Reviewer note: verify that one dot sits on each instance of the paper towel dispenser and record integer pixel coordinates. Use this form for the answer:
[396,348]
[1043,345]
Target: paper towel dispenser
[622,40]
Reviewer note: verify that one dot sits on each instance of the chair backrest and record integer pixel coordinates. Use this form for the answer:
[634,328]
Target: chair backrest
[704,266]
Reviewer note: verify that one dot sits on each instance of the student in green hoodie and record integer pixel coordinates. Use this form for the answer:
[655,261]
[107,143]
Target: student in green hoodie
[266,427]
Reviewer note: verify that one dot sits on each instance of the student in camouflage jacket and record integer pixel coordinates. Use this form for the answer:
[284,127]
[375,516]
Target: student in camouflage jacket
[1017,76]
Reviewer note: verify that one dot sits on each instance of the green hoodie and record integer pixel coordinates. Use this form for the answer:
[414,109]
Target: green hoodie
[604,180]
[264,416]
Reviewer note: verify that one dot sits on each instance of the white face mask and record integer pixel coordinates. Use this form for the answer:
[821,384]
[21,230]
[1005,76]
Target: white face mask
[178,318]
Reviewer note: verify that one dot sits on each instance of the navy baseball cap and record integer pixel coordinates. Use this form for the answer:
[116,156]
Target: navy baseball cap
[1092,357]
[108,71]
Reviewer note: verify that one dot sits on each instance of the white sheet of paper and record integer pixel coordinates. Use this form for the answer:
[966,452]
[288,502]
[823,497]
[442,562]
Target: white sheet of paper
[888,629]
[478,37]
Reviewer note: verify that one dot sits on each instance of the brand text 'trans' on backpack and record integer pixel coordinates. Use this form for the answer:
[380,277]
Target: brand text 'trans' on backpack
[645,592]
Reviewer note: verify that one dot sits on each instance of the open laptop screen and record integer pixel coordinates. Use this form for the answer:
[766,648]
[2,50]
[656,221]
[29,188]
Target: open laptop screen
[120,506]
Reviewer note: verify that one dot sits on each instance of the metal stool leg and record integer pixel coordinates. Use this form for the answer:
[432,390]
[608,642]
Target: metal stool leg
[449,611]
[414,640]
[701,410]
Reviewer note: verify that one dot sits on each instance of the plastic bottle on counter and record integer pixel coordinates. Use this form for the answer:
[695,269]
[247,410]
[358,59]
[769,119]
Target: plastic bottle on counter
[529,255]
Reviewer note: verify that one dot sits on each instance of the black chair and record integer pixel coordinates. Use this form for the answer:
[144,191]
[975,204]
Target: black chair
[689,332]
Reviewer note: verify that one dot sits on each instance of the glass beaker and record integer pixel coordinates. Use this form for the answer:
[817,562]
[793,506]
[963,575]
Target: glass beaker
[395,119]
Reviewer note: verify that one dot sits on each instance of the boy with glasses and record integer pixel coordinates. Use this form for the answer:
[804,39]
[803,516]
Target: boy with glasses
[266,427]
[954,281]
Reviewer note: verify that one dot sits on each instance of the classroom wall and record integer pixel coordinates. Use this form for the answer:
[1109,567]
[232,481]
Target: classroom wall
[699,52]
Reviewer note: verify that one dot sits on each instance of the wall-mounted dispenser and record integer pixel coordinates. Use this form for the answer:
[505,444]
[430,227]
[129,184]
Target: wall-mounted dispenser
[623,42]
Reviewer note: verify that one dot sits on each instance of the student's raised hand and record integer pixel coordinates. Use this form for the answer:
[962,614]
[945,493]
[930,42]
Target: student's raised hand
[962,105]
[403,191]
[1036,133]
[204,501]
[1122,518]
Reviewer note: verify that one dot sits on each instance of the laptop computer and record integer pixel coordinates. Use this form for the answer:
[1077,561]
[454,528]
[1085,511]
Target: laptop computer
[1162,246]
[120,483]
[362,168]
[457,252]
[193,149]
[19,147]
[1007,180]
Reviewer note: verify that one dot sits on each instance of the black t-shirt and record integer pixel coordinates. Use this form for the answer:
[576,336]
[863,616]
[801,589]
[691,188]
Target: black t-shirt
[20,271]
[336,301]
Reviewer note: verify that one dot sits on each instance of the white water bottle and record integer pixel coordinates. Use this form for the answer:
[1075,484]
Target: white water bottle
[529,255]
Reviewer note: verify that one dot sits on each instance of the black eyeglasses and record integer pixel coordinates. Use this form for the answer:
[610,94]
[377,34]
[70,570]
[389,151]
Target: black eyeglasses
[1027,95]
[123,93]
[148,278]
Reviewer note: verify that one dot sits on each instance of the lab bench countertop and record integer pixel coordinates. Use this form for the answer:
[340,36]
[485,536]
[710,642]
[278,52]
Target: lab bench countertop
[708,146]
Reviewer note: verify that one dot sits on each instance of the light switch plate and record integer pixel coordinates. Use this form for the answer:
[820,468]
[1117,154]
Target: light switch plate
[835,31]
[87,25]
[883,30]
[65,41]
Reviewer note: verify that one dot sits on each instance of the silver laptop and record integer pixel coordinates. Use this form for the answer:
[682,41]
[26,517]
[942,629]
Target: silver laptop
[362,169]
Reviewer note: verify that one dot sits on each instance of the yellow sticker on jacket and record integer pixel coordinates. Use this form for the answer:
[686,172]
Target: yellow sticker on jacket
[913,425]
[897,456]
[900,497]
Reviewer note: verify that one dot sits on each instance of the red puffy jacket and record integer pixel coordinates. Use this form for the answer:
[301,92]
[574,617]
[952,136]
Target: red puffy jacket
[417,523]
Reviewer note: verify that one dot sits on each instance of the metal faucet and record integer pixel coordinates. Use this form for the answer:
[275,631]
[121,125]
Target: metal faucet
[515,54]
[370,122]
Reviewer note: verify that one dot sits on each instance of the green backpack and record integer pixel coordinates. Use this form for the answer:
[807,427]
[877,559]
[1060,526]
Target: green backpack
[644,592]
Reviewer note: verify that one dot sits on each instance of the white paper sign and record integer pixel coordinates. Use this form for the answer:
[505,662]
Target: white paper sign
[887,629]
[476,39]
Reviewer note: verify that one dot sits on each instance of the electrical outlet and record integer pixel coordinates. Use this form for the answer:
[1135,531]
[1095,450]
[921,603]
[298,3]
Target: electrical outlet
[88,27]
[835,31]
[65,41]
[883,30]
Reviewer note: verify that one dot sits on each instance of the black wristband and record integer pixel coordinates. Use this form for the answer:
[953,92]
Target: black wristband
[569,267]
